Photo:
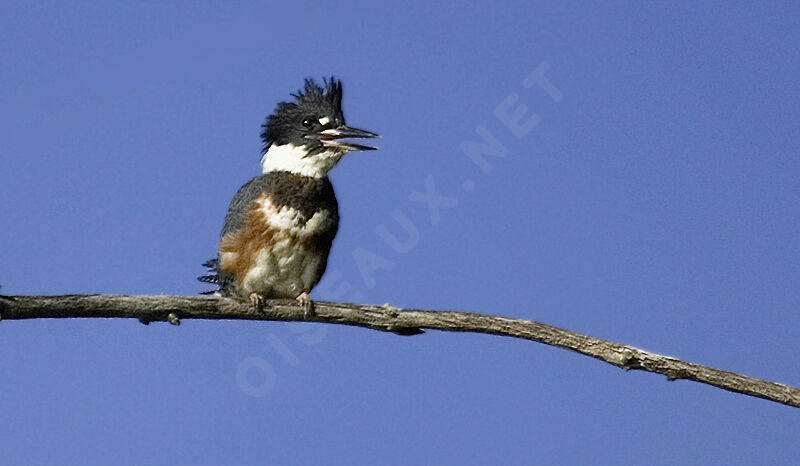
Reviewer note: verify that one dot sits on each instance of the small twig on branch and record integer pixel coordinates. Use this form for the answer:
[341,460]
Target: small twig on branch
[391,319]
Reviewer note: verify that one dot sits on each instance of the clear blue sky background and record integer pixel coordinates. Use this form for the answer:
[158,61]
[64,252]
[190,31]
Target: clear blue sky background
[657,203]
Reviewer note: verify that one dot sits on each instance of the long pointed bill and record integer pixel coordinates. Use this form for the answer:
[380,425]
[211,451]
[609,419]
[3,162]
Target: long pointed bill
[331,138]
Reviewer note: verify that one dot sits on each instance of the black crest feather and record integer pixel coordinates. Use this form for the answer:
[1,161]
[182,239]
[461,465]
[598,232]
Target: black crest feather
[330,94]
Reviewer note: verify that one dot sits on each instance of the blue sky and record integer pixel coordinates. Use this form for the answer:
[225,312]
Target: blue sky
[650,194]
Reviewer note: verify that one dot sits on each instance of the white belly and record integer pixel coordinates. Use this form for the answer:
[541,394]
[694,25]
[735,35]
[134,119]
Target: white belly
[287,263]
[285,270]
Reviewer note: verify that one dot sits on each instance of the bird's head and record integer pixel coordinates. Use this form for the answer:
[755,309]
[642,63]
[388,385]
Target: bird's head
[306,136]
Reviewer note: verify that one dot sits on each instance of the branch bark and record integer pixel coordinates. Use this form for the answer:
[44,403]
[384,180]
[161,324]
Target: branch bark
[390,319]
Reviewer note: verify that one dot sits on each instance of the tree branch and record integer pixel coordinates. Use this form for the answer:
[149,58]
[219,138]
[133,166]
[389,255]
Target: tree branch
[390,319]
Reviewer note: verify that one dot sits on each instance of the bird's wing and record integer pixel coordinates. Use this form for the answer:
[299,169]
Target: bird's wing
[234,220]
[243,198]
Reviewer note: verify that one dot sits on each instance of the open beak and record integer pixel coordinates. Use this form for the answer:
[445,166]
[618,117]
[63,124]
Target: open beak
[332,138]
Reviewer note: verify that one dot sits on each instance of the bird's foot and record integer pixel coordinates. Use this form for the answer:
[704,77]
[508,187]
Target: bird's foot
[307,305]
[257,301]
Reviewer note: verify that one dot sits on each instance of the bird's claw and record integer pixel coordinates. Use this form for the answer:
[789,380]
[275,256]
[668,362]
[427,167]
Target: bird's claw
[257,301]
[308,306]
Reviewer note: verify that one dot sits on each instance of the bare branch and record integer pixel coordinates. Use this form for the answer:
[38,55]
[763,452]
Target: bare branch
[391,319]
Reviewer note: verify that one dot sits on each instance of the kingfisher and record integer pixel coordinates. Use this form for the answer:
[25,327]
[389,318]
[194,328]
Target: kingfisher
[280,226]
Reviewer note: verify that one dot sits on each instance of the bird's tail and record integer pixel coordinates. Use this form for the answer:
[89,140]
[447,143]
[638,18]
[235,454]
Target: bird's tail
[212,277]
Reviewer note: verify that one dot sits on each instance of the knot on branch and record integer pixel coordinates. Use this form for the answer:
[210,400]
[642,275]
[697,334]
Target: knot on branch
[676,374]
[173,318]
[393,312]
[629,359]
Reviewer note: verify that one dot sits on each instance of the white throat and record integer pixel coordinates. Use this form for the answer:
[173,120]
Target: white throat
[293,159]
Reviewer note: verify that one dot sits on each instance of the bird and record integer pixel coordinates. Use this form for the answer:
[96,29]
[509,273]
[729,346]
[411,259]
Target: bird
[280,226]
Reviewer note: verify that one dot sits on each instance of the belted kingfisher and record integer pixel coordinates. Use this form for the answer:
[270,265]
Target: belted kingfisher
[280,226]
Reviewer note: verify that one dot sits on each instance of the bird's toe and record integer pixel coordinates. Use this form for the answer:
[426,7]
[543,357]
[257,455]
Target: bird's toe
[257,301]
[308,306]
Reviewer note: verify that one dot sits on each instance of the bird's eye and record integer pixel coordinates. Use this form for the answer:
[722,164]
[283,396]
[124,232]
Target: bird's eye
[308,122]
